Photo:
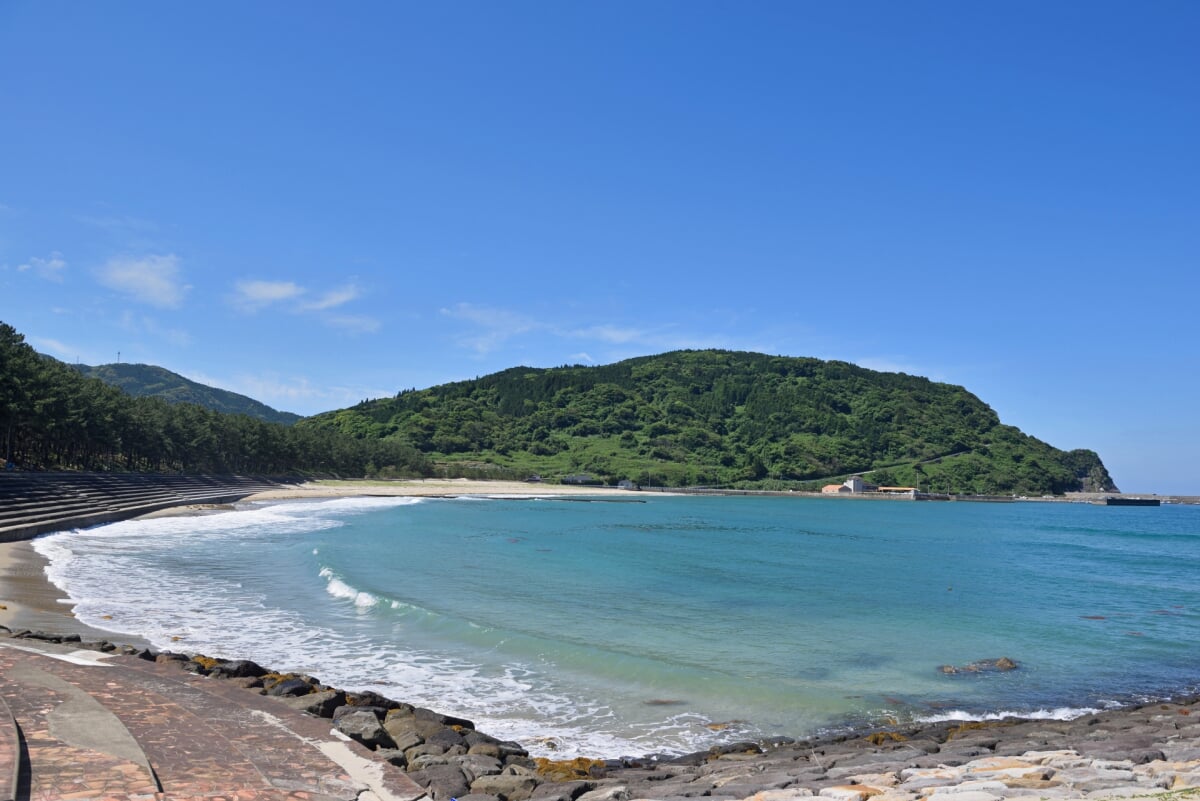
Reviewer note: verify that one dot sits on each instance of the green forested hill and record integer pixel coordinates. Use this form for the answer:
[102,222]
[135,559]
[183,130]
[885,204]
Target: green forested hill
[142,380]
[54,418]
[722,418]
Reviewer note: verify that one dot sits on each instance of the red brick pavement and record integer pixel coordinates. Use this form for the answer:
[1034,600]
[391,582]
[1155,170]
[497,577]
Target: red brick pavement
[202,738]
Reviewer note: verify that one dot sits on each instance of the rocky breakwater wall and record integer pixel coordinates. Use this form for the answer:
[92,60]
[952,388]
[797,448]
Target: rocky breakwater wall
[1150,751]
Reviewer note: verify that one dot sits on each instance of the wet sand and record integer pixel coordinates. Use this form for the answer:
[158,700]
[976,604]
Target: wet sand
[28,599]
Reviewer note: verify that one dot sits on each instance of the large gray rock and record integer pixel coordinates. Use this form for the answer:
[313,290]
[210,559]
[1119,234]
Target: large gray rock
[237,669]
[486,749]
[440,719]
[321,704]
[618,792]
[476,765]
[402,725]
[443,782]
[349,709]
[362,725]
[510,786]
[368,698]
[560,791]
[290,687]
[445,737]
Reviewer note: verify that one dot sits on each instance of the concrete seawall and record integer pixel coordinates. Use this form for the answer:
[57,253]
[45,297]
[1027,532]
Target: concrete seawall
[37,503]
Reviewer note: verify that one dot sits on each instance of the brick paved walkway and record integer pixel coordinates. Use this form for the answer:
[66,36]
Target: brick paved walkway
[123,728]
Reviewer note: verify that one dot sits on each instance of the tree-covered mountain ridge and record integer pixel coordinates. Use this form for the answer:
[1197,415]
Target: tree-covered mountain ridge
[147,380]
[723,418]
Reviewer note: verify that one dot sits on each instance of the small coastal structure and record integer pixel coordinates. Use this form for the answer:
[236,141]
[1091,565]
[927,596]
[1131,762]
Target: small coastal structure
[626,484]
[854,485]
[1131,501]
[911,492]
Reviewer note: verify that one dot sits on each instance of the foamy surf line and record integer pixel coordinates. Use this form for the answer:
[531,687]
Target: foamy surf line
[1059,713]
[216,614]
[514,701]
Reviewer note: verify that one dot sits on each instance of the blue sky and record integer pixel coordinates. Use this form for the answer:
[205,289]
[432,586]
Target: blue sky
[314,204]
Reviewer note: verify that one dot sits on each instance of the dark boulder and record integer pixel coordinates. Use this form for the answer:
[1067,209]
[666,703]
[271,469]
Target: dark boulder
[364,726]
[368,698]
[513,787]
[347,709]
[446,737]
[443,782]
[237,669]
[560,791]
[290,687]
[322,704]
[444,720]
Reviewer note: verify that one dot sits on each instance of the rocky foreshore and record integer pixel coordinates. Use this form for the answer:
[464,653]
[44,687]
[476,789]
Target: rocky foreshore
[1146,751]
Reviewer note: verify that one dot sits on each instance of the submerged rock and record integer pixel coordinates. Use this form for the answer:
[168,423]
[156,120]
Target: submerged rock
[1001,665]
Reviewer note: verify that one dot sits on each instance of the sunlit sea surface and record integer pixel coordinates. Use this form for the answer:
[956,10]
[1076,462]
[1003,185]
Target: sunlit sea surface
[667,624]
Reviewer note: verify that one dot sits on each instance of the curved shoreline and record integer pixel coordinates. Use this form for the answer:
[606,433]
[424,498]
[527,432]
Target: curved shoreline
[29,600]
[1090,752]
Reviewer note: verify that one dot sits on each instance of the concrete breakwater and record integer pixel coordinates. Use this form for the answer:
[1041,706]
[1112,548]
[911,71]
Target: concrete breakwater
[1145,751]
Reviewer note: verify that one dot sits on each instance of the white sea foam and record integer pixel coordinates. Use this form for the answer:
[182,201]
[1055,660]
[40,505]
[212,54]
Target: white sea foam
[340,589]
[1058,713]
[122,578]
[286,584]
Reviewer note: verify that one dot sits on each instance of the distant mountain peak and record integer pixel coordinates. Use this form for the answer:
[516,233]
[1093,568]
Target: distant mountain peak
[151,380]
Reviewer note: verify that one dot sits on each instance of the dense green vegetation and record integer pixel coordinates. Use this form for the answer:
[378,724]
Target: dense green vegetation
[146,379]
[721,418]
[687,418]
[52,417]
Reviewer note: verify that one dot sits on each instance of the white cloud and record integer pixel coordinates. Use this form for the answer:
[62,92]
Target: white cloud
[494,327]
[332,299]
[609,333]
[154,280]
[50,268]
[666,338]
[254,295]
[498,325]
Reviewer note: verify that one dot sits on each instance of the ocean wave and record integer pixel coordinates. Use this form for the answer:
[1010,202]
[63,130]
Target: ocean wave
[340,589]
[1058,713]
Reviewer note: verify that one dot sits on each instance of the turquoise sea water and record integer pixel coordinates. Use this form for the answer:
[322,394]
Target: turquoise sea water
[665,624]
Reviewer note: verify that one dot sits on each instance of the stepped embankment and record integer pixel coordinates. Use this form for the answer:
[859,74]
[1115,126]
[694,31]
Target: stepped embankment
[37,503]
